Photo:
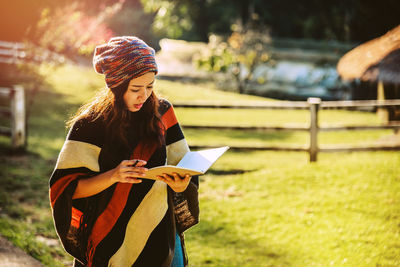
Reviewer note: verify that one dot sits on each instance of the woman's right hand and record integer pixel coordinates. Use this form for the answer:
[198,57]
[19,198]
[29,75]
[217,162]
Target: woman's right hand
[129,172]
[125,172]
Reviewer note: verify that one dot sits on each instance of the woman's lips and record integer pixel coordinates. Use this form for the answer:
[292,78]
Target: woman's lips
[138,106]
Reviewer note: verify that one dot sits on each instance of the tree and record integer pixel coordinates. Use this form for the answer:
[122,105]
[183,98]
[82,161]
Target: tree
[185,19]
[131,19]
[59,25]
[342,20]
[71,31]
[239,55]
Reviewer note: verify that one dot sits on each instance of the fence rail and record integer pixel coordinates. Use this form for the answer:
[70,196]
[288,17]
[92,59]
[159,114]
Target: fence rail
[11,53]
[15,52]
[249,105]
[293,128]
[248,128]
[16,113]
[313,105]
[360,103]
[290,104]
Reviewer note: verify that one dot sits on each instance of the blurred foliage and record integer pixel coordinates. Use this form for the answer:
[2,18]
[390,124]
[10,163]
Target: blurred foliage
[239,55]
[70,31]
[182,19]
[131,19]
[47,29]
[74,27]
[22,16]
[67,27]
[350,21]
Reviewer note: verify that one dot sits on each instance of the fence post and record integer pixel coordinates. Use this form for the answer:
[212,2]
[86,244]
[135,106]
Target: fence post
[314,107]
[18,135]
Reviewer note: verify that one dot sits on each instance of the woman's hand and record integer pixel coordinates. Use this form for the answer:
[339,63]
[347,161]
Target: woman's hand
[176,182]
[128,171]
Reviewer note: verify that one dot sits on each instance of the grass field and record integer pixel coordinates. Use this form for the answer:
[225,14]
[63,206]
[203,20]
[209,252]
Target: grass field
[257,208]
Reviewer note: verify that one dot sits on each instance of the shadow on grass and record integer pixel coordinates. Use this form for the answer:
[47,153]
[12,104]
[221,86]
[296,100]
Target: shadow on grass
[23,181]
[49,114]
[242,251]
[228,172]
[7,150]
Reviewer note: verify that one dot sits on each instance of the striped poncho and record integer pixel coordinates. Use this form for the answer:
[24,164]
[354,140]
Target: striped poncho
[126,224]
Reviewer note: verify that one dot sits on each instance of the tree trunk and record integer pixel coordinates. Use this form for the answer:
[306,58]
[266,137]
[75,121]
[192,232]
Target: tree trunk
[201,20]
[244,11]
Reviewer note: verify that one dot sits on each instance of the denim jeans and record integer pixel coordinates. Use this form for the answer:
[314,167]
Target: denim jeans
[177,261]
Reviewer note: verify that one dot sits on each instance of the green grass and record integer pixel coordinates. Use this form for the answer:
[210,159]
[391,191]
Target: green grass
[257,208]
[259,117]
[24,204]
[341,211]
[179,91]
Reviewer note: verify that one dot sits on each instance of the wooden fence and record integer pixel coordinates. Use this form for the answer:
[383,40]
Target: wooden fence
[16,113]
[11,52]
[313,105]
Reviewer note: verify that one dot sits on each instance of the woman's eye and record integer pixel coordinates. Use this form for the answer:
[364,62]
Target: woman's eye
[150,87]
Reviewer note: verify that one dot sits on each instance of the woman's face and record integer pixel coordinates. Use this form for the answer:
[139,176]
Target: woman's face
[139,89]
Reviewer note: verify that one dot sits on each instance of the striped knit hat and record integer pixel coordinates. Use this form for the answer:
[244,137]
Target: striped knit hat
[122,59]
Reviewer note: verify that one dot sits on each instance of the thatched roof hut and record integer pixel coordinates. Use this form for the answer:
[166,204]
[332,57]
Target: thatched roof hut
[376,61]
[387,70]
[370,61]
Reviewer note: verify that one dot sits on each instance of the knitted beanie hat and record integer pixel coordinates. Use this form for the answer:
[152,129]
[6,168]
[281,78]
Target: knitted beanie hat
[122,59]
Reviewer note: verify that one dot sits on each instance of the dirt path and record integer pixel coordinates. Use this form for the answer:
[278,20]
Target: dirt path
[11,256]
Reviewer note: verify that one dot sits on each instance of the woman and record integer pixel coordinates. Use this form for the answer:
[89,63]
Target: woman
[104,214]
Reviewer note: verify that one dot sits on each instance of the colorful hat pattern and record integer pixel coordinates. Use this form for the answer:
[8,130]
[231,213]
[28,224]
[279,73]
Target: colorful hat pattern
[122,59]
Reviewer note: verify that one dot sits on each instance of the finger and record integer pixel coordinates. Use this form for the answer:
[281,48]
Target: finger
[184,177]
[161,178]
[133,180]
[140,170]
[141,163]
[185,180]
[134,174]
[134,162]
[167,180]
[177,176]
[129,163]
[168,177]
[134,169]
[125,163]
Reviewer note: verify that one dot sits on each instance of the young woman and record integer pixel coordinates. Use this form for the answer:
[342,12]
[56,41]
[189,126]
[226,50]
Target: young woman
[104,214]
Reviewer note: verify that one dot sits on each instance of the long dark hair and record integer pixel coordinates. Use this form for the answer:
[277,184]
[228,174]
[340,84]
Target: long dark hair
[109,106]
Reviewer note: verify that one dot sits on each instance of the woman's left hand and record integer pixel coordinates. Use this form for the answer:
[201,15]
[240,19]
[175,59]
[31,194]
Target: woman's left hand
[176,182]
